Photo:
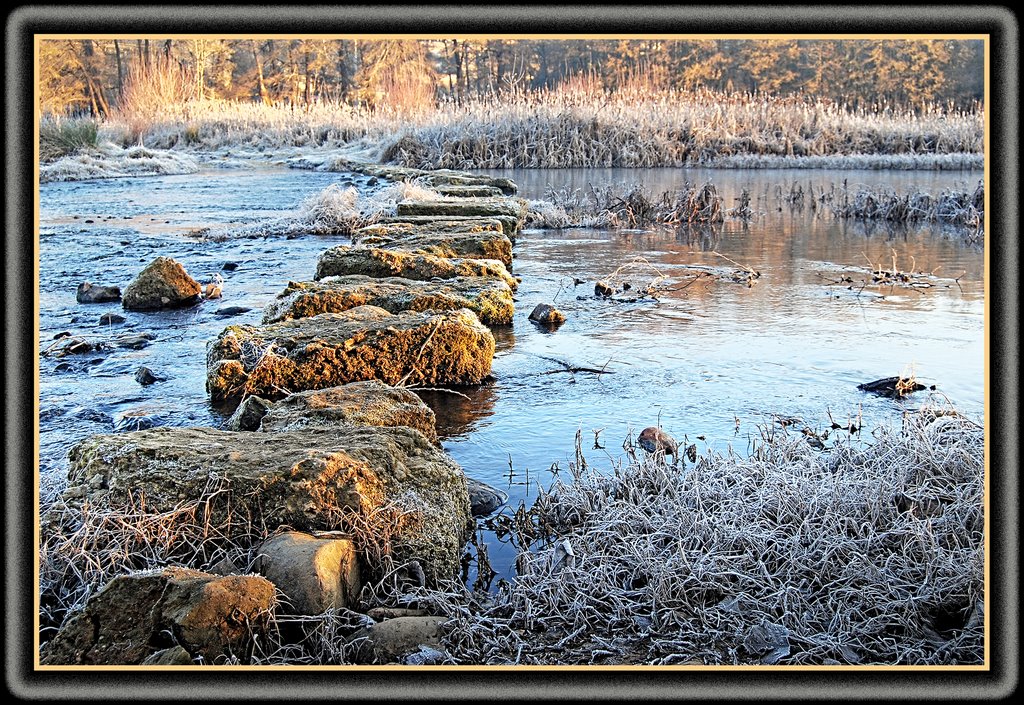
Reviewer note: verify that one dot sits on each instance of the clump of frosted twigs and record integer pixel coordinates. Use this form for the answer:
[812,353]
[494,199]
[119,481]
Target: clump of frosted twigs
[333,211]
[856,554]
[627,207]
[951,206]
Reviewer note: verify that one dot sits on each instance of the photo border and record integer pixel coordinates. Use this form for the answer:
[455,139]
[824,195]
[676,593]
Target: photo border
[566,683]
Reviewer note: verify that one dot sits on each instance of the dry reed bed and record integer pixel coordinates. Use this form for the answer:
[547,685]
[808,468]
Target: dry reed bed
[863,554]
[632,206]
[950,206]
[567,128]
[627,207]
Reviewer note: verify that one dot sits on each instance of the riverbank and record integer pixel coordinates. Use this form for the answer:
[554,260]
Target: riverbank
[860,555]
[566,128]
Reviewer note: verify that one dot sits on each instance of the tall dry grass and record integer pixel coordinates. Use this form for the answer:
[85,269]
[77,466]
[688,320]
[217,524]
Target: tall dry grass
[577,125]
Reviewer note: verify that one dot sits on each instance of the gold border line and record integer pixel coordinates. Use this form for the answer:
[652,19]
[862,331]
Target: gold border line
[894,668]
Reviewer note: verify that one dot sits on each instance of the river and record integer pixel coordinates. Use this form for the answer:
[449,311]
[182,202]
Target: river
[710,361]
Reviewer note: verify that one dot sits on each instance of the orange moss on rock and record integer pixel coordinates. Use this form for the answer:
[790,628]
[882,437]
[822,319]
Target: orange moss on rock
[366,342]
[489,298]
[375,262]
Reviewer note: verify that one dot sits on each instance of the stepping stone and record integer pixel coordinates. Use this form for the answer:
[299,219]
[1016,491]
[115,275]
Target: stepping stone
[366,342]
[356,479]
[490,299]
[376,262]
[369,403]
[406,237]
[510,224]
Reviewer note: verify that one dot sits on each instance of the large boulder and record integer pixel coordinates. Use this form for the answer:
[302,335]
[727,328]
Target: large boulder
[164,283]
[406,237]
[369,403]
[134,617]
[390,488]
[490,299]
[376,262]
[314,573]
[366,342]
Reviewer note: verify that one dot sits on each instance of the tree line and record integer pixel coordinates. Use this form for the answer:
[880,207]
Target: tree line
[96,77]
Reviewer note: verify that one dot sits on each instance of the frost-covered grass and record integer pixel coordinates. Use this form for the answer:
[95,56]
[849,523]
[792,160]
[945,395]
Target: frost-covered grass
[585,128]
[627,206]
[109,161]
[332,211]
[859,554]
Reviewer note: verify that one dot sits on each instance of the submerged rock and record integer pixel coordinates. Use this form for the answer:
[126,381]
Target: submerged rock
[892,387]
[138,419]
[145,376]
[164,283]
[346,478]
[108,319]
[228,311]
[366,342]
[484,499]
[471,245]
[369,403]
[133,618]
[89,293]
[376,262]
[489,298]
[313,573]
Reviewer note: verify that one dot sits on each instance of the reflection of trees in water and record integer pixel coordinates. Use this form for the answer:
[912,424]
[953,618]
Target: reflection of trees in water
[457,415]
[705,237]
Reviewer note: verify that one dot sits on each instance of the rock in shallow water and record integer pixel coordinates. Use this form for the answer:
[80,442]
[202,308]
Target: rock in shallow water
[164,283]
[547,315]
[367,342]
[489,298]
[89,293]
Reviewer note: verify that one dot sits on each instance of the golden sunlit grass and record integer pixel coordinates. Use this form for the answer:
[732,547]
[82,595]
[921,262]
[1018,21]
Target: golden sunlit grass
[578,125]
